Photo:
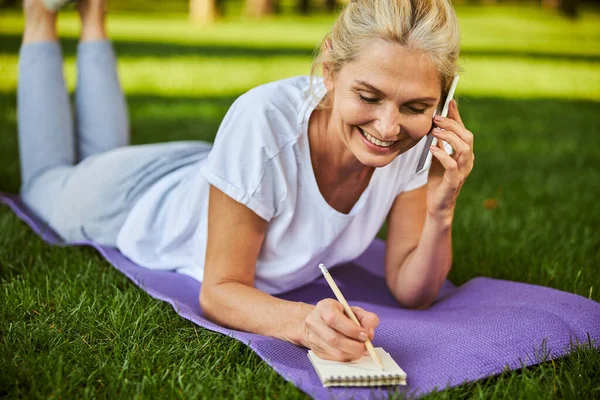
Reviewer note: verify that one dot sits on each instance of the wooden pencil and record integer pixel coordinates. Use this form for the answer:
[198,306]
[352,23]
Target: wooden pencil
[340,297]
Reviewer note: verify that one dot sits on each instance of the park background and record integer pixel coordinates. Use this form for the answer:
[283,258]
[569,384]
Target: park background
[71,326]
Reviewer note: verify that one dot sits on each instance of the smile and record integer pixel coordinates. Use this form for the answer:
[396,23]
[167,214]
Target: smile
[374,140]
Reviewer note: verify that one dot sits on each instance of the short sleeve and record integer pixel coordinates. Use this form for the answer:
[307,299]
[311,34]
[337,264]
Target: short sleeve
[417,180]
[241,162]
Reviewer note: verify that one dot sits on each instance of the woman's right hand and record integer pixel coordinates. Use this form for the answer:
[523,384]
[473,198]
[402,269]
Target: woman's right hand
[332,335]
[229,298]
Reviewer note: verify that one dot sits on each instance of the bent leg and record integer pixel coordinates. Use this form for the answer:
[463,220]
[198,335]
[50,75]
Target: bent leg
[102,122]
[46,140]
[101,110]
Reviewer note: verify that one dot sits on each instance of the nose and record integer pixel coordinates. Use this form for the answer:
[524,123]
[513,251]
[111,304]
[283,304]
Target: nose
[388,123]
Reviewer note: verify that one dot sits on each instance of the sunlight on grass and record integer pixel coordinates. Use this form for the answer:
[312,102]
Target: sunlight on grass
[507,52]
[526,78]
[502,28]
[197,76]
[528,28]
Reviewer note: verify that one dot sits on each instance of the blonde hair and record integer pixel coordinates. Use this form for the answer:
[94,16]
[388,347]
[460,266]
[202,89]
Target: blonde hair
[427,26]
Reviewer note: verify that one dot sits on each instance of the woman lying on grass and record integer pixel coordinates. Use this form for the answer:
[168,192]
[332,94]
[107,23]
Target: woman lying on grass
[299,174]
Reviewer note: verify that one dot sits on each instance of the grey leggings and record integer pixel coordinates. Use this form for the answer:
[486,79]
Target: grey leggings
[80,175]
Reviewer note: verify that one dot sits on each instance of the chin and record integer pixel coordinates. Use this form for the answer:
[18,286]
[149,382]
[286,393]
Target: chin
[375,161]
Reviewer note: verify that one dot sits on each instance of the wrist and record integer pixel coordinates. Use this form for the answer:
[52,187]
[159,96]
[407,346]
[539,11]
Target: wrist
[296,332]
[442,218]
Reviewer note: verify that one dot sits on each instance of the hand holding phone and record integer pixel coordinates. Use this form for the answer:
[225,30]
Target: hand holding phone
[425,159]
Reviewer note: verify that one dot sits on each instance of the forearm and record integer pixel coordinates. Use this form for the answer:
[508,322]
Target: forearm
[239,306]
[418,280]
[424,270]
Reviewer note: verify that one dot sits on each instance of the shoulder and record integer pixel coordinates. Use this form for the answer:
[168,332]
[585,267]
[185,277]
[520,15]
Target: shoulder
[290,89]
[255,155]
[270,114]
[280,99]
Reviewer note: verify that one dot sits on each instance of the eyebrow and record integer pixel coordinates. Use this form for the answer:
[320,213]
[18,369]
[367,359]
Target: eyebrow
[374,89]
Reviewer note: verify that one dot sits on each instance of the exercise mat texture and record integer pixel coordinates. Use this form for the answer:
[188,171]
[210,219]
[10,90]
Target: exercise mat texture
[471,332]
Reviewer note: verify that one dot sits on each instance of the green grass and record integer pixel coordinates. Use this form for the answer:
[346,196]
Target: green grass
[71,326]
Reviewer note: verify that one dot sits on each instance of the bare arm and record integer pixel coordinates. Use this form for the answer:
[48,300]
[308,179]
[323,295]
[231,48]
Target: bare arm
[228,297]
[419,250]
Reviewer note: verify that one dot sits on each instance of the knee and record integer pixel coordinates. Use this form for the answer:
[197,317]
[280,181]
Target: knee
[42,192]
[34,200]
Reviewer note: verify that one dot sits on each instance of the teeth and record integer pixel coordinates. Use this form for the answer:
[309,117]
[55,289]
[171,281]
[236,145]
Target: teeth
[374,140]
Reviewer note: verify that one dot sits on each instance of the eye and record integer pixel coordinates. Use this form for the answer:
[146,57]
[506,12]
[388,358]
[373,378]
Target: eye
[368,100]
[415,110]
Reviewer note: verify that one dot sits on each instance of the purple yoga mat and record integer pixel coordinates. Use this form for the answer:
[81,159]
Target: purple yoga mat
[471,332]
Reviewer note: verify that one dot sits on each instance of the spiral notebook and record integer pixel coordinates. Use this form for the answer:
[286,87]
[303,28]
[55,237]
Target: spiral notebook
[362,372]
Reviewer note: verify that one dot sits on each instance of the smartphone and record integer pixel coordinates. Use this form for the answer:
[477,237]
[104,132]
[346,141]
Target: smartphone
[425,159]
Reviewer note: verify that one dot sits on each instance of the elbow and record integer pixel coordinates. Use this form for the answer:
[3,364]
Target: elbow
[413,297]
[417,300]
[417,303]
[419,297]
[209,304]
[220,302]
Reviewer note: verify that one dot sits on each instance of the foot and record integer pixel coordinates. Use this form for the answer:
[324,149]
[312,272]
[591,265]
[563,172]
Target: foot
[40,23]
[91,8]
[55,5]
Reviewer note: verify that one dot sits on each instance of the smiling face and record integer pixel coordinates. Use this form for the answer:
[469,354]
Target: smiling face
[383,101]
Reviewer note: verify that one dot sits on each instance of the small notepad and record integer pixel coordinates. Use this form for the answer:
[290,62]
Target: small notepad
[362,372]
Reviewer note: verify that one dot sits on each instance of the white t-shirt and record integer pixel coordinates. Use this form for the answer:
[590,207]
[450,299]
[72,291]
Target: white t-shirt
[261,158]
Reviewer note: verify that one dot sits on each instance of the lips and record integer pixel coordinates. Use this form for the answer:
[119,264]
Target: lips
[374,140]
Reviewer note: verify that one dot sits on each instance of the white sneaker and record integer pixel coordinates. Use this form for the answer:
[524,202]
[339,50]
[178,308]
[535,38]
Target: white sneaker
[55,5]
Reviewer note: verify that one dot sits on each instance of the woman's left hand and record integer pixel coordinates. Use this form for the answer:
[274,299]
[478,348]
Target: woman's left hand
[448,172]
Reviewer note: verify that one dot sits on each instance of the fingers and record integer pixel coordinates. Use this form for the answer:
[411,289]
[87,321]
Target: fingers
[460,163]
[461,160]
[453,131]
[332,313]
[368,320]
[333,335]
[459,145]
[326,352]
[335,345]
[453,112]
[449,163]
[463,152]
[454,125]
[456,166]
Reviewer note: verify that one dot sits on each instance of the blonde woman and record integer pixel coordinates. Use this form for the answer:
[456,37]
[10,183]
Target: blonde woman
[302,170]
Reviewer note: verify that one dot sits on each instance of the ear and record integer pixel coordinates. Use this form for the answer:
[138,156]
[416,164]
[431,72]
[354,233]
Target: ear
[327,73]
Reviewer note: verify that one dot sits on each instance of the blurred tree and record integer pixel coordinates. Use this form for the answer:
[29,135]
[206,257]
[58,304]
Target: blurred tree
[203,11]
[304,6]
[566,7]
[259,8]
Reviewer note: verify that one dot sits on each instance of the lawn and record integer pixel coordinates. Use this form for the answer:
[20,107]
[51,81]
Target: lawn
[71,326]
